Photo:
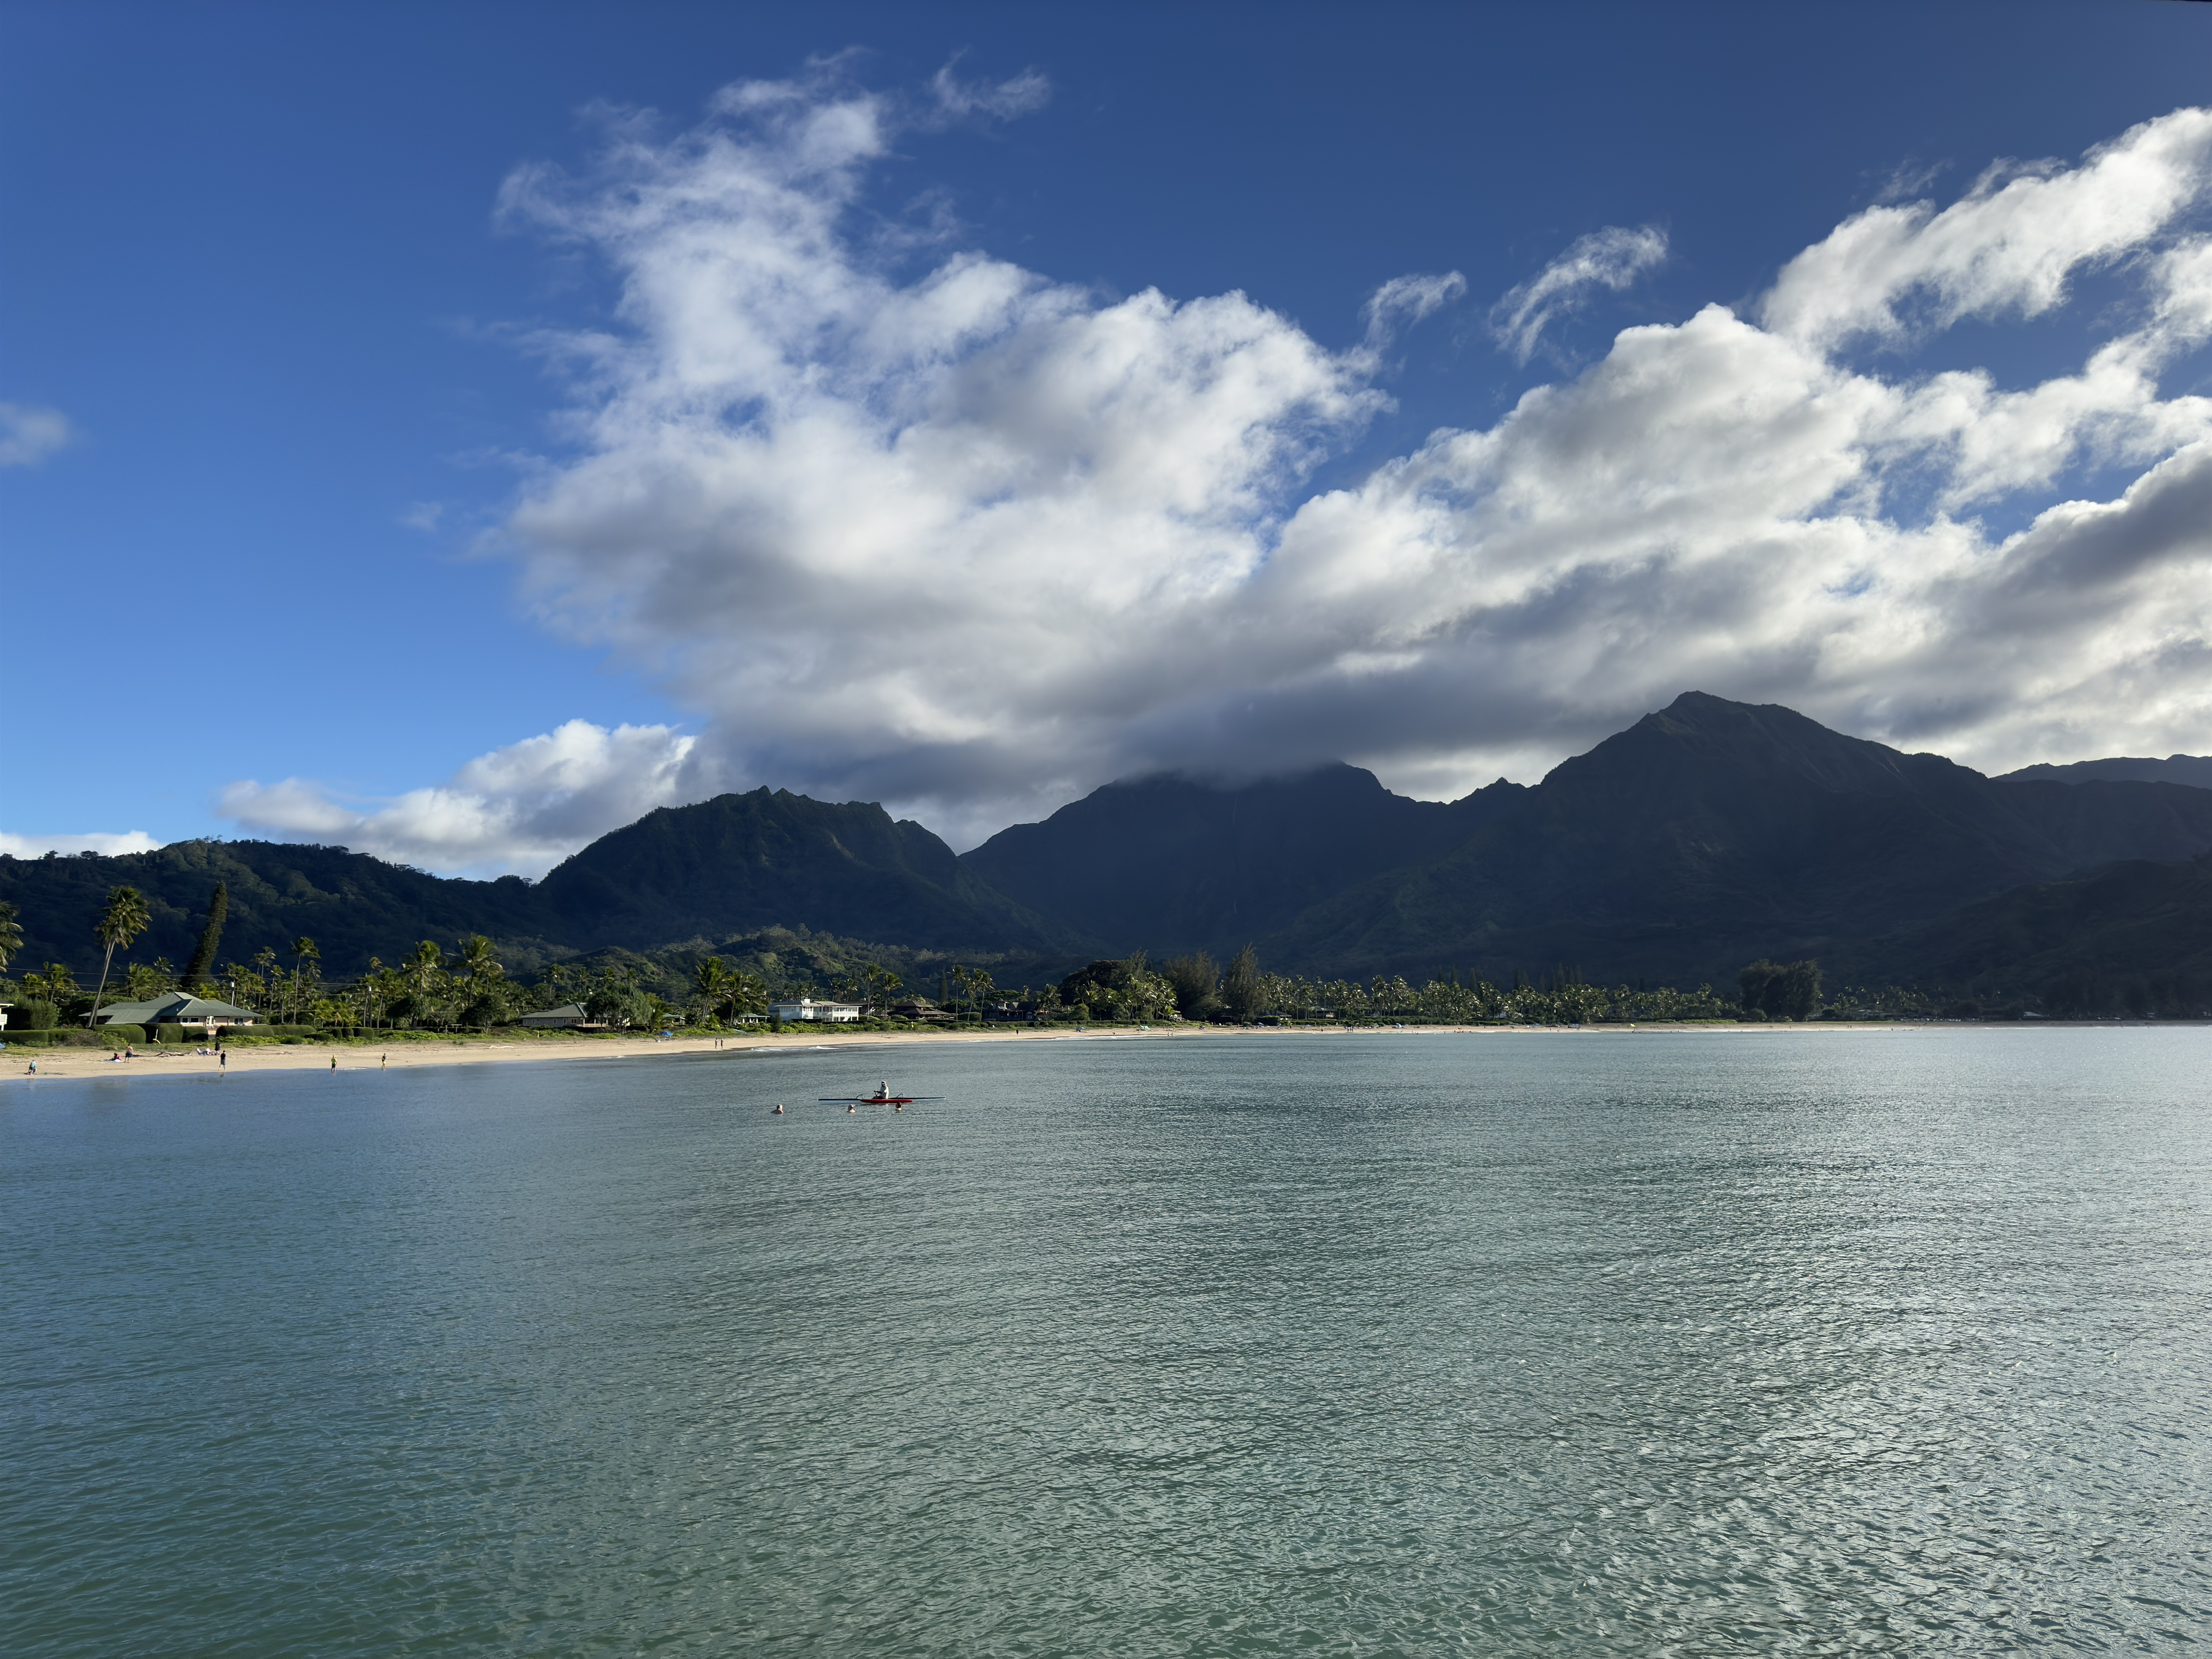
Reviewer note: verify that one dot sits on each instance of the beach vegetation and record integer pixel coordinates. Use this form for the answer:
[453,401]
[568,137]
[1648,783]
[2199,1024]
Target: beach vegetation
[1123,990]
[1778,990]
[145,981]
[1242,994]
[1195,979]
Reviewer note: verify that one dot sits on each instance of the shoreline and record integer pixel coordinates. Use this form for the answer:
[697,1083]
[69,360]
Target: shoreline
[81,1064]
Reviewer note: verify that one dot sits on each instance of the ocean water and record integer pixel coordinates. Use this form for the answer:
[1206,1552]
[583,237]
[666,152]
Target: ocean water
[1621,1343]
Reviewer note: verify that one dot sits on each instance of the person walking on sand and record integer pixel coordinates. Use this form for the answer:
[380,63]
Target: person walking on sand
[334,1062]
[222,1060]
[383,1061]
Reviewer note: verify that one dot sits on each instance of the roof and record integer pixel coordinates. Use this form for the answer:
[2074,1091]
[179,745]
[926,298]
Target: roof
[171,1008]
[567,1011]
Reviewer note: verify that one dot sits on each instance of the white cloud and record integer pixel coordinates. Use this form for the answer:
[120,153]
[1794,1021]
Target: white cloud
[2010,245]
[1611,258]
[1020,94]
[35,847]
[1404,300]
[969,541]
[519,810]
[30,435]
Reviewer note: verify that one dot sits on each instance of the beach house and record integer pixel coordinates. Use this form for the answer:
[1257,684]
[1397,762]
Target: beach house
[177,1008]
[808,1008]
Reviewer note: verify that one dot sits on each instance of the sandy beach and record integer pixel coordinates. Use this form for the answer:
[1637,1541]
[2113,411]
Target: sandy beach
[172,1061]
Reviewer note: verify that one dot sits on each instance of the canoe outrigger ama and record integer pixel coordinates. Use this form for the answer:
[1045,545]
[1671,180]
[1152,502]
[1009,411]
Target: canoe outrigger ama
[883,1097]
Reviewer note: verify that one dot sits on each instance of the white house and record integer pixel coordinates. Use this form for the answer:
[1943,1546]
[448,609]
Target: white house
[808,1008]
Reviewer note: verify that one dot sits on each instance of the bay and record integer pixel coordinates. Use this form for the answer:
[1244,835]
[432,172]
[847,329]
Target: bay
[1649,1343]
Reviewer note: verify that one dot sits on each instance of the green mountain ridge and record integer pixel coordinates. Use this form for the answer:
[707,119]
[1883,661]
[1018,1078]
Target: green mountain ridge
[732,865]
[1709,834]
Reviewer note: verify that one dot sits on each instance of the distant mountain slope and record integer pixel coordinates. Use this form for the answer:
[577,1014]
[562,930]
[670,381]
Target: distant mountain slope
[736,865]
[2194,770]
[2132,937]
[352,906]
[1167,864]
[1707,835]
[1713,832]
[739,863]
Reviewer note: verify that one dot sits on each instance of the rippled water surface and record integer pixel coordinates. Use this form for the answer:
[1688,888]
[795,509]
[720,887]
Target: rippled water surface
[1621,1343]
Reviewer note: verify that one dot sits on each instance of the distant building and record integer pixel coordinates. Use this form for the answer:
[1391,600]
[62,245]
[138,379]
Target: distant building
[568,1017]
[808,1008]
[176,1008]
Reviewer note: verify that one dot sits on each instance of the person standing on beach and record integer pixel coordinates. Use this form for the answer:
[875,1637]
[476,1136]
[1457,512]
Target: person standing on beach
[383,1061]
[222,1060]
[334,1062]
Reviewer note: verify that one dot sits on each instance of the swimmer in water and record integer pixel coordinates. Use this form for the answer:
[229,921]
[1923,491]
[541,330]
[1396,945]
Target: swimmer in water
[779,1110]
[850,1109]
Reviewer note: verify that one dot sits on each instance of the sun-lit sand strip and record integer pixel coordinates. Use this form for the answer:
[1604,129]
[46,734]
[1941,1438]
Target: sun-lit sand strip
[15,1060]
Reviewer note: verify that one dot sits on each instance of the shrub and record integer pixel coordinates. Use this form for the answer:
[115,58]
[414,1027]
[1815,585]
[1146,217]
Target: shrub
[16,1039]
[34,1016]
[116,1035]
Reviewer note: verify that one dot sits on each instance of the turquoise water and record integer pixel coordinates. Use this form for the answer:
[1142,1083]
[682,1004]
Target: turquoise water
[1584,1344]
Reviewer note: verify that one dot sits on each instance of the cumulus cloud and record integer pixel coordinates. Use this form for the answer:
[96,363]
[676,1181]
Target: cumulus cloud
[518,810]
[29,434]
[35,847]
[912,524]
[1611,258]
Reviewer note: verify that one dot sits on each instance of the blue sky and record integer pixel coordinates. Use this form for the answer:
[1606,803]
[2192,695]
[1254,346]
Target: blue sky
[330,533]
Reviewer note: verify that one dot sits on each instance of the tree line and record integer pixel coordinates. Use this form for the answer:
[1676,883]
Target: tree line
[471,989]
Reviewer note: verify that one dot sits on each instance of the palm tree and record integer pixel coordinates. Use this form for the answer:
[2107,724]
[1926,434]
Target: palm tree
[11,934]
[882,984]
[710,979]
[303,953]
[481,962]
[56,985]
[746,993]
[423,971]
[123,921]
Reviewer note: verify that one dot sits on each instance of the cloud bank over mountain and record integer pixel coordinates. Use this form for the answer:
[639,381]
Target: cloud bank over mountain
[909,523]
[518,810]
